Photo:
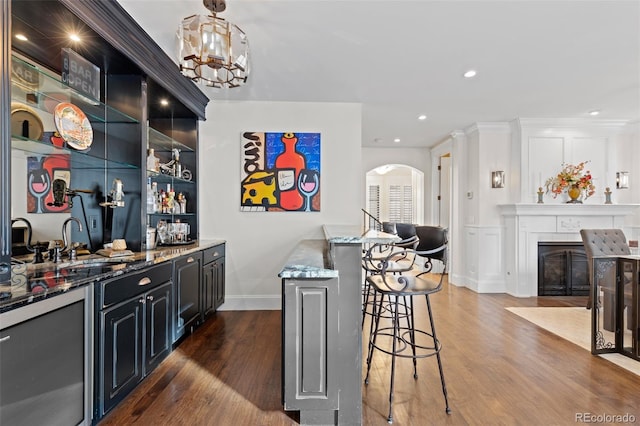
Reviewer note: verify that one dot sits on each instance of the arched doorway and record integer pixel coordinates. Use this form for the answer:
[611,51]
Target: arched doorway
[395,193]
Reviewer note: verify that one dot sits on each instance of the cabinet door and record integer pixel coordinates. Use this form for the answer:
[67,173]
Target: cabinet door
[219,283]
[208,288]
[158,326]
[42,369]
[121,351]
[187,271]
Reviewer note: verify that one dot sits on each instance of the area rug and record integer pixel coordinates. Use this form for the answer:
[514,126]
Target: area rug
[574,325]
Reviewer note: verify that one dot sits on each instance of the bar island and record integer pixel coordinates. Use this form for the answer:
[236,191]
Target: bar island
[321,326]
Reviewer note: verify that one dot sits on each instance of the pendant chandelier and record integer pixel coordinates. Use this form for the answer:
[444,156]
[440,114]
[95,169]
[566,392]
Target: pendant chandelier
[212,51]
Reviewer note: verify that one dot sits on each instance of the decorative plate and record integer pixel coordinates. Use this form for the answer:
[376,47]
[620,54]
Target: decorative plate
[73,126]
[25,122]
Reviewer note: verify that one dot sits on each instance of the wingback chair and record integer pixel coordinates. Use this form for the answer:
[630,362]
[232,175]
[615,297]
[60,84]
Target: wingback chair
[605,242]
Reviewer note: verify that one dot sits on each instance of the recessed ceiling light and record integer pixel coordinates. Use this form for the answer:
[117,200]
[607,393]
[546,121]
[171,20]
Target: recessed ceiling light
[469,74]
[594,112]
[422,117]
[21,37]
[396,140]
[74,37]
[164,102]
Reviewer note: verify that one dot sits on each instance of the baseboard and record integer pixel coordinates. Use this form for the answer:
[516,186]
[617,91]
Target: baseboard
[251,303]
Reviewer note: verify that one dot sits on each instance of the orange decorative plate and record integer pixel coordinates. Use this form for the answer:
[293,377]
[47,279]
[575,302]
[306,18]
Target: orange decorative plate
[73,126]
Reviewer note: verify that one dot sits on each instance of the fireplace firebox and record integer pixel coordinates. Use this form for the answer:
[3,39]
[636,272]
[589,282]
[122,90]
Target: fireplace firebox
[562,269]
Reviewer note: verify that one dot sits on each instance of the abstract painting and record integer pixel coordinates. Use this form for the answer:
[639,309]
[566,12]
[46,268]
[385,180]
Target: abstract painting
[280,172]
[41,172]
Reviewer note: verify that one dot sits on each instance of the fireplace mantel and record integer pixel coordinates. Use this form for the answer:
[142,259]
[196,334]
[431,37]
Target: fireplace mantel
[567,209]
[527,224]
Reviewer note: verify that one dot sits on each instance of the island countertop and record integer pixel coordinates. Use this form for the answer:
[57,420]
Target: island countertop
[33,282]
[350,234]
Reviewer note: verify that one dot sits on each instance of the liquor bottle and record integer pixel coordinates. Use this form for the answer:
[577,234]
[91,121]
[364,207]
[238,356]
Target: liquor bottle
[153,162]
[289,163]
[151,199]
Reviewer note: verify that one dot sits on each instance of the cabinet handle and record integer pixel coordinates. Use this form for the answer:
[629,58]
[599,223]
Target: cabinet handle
[141,301]
[150,298]
[190,259]
[216,254]
[144,281]
[4,339]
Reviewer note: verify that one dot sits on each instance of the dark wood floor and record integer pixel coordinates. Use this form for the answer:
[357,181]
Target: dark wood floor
[500,370]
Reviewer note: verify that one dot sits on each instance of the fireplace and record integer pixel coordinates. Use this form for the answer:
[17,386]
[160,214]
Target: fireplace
[525,225]
[562,269]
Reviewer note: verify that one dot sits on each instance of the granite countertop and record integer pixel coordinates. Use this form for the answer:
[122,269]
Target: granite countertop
[349,234]
[33,282]
[308,260]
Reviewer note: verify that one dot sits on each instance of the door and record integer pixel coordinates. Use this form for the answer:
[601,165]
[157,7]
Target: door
[158,326]
[121,351]
[208,288]
[187,271]
[219,282]
[42,369]
[444,196]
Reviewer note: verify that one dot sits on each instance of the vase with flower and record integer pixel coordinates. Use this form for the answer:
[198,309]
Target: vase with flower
[574,180]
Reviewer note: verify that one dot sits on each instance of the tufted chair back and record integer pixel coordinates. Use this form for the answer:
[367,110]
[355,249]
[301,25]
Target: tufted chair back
[602,242]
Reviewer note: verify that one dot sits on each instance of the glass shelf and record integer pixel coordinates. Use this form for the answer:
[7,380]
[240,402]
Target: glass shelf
[162,178]
[39,91]
[44,91]
[171,214]
[161,142]
[80,160]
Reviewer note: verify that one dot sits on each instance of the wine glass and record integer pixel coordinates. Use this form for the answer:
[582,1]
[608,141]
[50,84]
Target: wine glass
[308,185]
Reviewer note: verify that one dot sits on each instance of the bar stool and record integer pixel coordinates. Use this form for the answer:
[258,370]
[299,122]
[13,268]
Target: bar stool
[395,259]
[394,296]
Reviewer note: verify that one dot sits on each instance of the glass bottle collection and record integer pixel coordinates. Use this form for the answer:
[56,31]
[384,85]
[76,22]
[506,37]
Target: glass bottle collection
[164,201]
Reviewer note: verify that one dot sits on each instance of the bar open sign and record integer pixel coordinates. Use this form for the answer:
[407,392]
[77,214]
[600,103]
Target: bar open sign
[80,74]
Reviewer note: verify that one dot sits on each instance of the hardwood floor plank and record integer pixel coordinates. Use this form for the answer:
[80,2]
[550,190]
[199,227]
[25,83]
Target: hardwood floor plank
[499,368]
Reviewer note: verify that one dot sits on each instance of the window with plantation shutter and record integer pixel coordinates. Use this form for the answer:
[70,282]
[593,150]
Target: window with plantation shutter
[401,203]
[374,201]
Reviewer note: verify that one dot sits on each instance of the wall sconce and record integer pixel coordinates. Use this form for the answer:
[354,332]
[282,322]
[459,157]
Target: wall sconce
[497,179]
[622,180]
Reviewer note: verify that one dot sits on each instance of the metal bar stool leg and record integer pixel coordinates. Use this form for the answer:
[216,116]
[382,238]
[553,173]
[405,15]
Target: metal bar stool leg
[396,332]
[373,331]
[412,335]
[365,300]
[436,344]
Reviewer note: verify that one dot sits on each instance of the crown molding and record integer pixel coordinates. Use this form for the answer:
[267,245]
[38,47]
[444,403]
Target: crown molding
[493,127]
[569,123]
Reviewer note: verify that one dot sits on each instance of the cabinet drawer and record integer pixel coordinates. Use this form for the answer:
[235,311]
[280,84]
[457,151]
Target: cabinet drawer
[213,253]
[129,285]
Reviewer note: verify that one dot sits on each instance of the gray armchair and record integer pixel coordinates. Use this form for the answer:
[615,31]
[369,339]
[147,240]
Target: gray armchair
[605,242]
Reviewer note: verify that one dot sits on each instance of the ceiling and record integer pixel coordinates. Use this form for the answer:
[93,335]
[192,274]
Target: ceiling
[401,59]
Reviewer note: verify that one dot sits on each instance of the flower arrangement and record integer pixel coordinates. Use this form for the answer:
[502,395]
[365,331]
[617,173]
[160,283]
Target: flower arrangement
[572,177]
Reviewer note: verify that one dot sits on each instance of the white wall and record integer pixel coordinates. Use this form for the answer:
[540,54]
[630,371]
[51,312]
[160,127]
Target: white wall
[258,244]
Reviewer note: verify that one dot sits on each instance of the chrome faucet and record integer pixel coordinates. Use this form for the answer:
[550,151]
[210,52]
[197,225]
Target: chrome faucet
[65,242]
[29,230]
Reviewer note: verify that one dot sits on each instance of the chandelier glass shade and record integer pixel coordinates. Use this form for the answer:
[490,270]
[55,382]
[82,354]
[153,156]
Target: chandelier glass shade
[213,52]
